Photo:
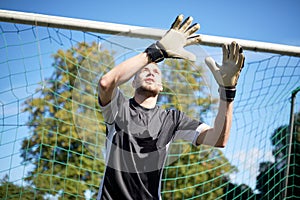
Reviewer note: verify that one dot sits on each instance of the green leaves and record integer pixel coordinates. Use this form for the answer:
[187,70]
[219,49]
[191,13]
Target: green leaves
[9,190]
[199,173]
[62,162]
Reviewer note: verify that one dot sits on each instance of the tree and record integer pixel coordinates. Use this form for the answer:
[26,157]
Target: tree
[235,191]
[199,174]
[9,190]
[63,163]
[185,88]
[271,181]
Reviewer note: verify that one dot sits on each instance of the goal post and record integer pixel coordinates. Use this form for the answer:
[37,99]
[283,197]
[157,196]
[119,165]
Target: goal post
[52,138]
[135,31]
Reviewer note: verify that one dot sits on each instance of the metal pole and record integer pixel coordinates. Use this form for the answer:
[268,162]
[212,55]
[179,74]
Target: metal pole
[135,31]
[293,97]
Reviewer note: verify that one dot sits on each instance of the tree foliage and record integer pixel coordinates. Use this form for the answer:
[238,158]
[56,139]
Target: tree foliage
[199,174]
[271,181]
[185,88]
[9,190]
[62,161]
[236,191]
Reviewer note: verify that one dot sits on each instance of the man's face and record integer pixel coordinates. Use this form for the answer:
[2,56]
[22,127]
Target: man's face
[149,79]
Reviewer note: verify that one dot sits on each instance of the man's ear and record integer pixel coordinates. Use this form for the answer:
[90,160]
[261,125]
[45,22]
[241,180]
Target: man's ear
[161,88]
[133,83]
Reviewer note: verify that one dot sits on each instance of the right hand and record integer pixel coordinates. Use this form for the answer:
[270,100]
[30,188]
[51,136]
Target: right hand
[173,42]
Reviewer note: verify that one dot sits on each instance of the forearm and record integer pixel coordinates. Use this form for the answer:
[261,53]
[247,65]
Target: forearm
[222,124]
[119,75]
[219,134]
[226,76]
[125,70]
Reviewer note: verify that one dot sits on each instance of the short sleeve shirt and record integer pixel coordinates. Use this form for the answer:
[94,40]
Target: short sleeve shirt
[138,140]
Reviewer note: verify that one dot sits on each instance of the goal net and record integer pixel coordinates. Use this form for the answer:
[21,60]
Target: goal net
[52,139]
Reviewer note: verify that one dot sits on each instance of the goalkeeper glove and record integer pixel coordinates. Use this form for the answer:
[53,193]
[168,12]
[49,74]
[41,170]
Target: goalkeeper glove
[173,42]
[227,75]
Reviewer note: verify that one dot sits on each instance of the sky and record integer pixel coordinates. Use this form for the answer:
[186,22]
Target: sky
[274,21]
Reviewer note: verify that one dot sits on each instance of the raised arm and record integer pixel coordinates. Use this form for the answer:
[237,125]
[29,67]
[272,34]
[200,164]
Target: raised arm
[170,46]
[119,75]
[226,76]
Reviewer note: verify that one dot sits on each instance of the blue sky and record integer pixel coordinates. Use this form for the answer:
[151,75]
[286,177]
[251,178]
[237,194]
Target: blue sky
[260,20]
[273,21]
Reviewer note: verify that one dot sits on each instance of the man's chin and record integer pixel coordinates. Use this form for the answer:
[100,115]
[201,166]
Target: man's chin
[148,90]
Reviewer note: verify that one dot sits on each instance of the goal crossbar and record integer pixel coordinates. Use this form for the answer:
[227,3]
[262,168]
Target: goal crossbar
[135,31]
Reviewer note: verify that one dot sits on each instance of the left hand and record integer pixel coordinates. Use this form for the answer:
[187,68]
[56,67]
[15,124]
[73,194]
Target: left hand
[233,61]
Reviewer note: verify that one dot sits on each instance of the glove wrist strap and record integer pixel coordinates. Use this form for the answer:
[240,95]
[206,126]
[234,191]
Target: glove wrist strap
[227,93]
[156,53]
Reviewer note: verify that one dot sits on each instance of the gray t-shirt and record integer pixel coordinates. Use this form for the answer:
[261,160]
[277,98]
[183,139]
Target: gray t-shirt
[138,140]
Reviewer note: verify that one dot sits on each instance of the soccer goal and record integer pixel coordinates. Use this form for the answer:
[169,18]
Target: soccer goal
[52,139]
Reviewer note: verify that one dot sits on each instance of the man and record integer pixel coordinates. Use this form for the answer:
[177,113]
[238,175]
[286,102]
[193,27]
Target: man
[139,132]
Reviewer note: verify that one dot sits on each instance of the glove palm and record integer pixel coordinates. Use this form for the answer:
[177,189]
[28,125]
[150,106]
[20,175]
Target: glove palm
[233,61]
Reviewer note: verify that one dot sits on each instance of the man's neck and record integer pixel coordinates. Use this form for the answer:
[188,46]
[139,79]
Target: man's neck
[146,101]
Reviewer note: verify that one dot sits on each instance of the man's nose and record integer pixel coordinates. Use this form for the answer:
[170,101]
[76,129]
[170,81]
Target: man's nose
[150,74]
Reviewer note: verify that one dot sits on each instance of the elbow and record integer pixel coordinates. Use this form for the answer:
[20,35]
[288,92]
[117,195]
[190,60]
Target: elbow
[223,136]
[222,141]
[220,145]
[213,138]
[104,84]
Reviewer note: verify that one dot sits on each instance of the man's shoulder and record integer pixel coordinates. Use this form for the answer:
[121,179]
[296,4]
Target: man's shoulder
[172,114]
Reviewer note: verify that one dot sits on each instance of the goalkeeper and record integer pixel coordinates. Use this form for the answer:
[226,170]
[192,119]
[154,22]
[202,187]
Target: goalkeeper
[139,132]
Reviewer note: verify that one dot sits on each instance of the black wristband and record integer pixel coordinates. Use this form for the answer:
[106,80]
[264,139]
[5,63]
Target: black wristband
[227,93]
[156,53]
